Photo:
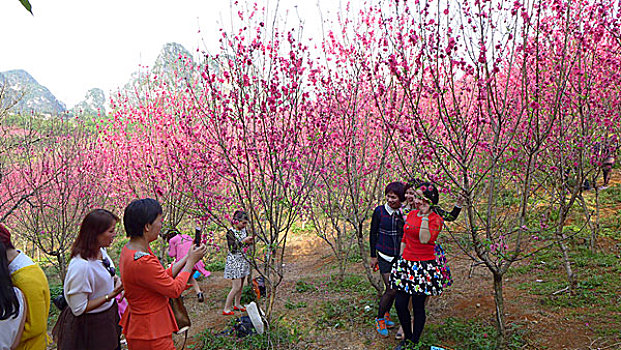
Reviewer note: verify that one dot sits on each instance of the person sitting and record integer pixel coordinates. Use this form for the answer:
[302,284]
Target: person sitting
[31,281]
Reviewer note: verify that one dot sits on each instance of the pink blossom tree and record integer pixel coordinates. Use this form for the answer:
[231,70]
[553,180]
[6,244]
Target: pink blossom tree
[64,172]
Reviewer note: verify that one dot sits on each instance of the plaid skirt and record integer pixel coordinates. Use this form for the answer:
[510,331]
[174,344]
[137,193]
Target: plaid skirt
[417,277]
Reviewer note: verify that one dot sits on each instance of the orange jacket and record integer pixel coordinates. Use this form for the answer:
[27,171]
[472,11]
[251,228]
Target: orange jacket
[147,289]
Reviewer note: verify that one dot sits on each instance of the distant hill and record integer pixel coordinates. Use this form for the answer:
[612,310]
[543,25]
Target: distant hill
[32,97]
[173,62]
[94,104]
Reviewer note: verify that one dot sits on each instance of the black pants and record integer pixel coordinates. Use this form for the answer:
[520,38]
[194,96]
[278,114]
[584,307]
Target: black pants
[389,294]
[402,299]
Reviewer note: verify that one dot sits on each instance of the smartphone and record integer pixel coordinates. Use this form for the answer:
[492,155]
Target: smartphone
[198,237]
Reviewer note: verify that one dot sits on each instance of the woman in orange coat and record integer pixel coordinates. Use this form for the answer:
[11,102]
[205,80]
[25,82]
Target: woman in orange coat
[148,322]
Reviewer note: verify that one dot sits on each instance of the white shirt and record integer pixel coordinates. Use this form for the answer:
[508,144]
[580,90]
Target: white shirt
[21,260]
[87,280]
[9,328]
[389,209]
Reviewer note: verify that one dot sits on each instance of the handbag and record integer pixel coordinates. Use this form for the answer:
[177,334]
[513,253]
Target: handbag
[60,302]
[181,314]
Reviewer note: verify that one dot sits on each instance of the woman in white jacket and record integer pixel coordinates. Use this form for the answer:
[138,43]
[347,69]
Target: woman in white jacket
[91,320]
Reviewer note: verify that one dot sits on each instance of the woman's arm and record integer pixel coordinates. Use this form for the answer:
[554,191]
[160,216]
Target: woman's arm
[374,232]
[233,243]
[373,236]
[424,235]
[154,277]
[178,265]
[97,302]
[402,248]
[430,229]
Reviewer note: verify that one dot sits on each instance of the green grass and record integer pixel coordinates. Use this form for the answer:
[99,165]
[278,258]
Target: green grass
[303,286]
[303,230]
[351,283]
[216,265]
[354,257]
[599,280]
[471,334]
[587,259]
[248,295]
[611,195]
[292,305]
[517,270]
[55,290]
[281,333]
[611,226]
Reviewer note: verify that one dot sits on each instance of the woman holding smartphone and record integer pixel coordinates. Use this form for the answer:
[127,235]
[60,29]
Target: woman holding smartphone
[149,322]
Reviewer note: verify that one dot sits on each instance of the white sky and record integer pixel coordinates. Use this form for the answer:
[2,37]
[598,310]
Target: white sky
[71,46]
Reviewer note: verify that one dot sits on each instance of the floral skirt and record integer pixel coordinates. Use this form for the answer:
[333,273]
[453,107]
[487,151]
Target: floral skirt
[417,277]
[236,266]
[447,279]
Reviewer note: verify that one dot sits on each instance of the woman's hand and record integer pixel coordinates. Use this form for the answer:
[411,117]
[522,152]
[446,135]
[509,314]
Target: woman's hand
[196,254]
[373,262]
[118,286]
[248,240]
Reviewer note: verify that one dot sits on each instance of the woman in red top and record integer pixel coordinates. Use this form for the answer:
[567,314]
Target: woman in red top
[148,322]
[417,274]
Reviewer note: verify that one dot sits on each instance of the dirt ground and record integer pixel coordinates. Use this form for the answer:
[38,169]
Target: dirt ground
[471,296]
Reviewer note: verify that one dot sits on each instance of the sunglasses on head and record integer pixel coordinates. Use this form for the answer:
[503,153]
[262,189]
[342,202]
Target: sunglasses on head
[106,264]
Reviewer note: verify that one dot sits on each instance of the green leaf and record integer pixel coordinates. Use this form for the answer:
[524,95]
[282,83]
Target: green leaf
[27,5]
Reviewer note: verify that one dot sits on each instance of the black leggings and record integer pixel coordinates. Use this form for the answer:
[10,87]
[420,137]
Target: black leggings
[387,298]
[402,300]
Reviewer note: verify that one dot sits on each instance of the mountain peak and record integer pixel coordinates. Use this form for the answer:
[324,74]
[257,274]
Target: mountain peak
[172,52]
[31,96]
[93,104]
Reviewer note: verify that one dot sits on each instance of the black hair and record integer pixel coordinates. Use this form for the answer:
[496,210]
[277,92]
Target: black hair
[138,214]
[170,233]
[9,304]
[412,183]
[430,191]
[240,215]
[397,188]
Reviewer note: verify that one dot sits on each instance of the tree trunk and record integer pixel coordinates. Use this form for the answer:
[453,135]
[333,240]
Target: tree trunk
[571,277]
[62,266]
[592,226]
[375,281]
[271,297]
[595,232]
[501,330]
